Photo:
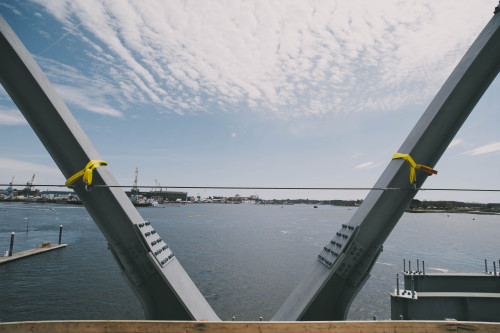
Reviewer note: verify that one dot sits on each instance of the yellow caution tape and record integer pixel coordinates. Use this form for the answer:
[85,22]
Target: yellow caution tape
[413,176]
[86,173]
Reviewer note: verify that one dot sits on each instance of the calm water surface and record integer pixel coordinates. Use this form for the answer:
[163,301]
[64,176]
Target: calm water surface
[245,259]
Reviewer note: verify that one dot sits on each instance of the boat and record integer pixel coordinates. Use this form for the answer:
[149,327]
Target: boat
[153,271]
[153,202]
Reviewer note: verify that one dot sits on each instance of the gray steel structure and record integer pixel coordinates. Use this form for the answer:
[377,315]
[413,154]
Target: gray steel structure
[437,296]
[451,282]
[345,263]
[447,305]
[149,266]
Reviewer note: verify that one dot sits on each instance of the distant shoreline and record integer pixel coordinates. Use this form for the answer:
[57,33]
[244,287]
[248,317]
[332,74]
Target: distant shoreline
[478,209]
[453,211]
[58,202]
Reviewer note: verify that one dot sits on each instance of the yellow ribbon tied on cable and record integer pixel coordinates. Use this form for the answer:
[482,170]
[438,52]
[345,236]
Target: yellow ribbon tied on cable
[413,165]
[86,173]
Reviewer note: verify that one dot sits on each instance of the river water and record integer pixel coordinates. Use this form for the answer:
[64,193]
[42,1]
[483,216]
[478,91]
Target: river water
[245,259]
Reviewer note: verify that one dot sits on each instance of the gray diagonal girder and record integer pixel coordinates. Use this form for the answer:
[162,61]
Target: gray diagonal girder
[149,266]
[345,263]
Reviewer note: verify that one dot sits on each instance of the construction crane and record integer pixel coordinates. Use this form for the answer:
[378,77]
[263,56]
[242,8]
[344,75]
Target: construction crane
[158,186]
[152,270]
[134,189]
[150,267]
[10,189]
[29,185]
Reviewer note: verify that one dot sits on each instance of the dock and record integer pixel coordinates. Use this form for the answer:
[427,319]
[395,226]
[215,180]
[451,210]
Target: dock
[32,252]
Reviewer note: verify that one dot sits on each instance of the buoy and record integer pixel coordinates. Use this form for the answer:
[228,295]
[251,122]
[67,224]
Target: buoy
[190,217]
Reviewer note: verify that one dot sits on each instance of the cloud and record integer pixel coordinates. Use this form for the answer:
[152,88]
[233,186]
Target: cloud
[58,40]
[366,165]
[84,99]
[11,117]
[91,93]
[456,142]
[486,149]
[12,8]
[7,164]
[293,60]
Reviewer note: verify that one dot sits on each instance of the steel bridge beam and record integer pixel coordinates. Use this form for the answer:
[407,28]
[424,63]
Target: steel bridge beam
[345,263]
[157,278]
[441,305]
[453,282]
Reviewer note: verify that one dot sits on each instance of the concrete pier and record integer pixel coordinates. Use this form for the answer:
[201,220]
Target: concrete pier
[27,253]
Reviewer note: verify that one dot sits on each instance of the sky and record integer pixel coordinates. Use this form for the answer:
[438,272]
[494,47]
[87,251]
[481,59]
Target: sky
[253,93]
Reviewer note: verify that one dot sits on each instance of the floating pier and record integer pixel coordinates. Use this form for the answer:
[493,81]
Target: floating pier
[47,246]
[32,252]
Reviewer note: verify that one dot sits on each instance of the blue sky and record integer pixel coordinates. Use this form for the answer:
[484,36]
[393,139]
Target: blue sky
[259,93]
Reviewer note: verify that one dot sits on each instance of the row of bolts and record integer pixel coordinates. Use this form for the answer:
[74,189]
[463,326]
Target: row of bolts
[418,267]
[410,271]
[412,292]
[423,267]
[423,272]
[260,318]
[494,267]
